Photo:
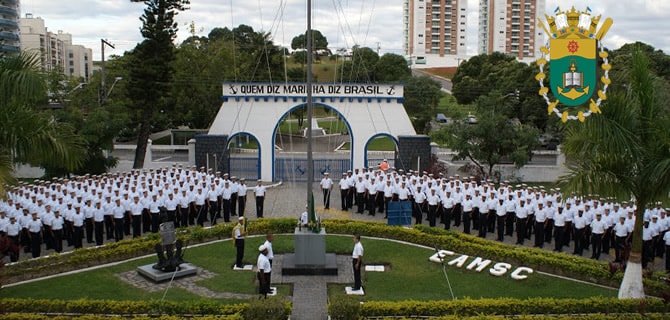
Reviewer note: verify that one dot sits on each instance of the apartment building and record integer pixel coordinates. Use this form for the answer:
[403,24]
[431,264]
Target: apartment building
[9,26]
[56,50]
[435,31]
[510,26]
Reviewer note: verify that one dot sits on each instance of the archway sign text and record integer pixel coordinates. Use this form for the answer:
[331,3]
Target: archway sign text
[333,90]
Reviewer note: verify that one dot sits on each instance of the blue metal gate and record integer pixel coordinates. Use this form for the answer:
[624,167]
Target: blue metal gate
[287,169]
[247,168]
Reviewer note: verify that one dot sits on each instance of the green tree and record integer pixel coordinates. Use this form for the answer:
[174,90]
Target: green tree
[300,57]
[319,42]
[296,74]
[219,33]
[257,58]
[484,73]
[659,62]
[623,152]
[240,54]
[29,134]
[199,71]
[361,67]
[421,97]
[150,66]
[97,127]
[391,68]
[492,139]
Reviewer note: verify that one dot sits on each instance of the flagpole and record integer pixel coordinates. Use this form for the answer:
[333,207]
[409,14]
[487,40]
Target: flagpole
[310,165]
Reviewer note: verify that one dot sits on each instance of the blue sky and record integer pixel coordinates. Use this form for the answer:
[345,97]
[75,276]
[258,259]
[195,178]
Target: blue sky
[345,23]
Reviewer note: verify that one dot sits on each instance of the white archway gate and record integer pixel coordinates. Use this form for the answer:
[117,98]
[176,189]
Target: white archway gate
[256,109]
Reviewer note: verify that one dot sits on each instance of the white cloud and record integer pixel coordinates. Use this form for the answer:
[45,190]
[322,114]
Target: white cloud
[343,22]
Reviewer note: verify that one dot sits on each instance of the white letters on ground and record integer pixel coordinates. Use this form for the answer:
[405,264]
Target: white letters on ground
[479,264]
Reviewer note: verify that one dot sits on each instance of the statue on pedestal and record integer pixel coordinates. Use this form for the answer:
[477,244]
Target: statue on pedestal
[170,254]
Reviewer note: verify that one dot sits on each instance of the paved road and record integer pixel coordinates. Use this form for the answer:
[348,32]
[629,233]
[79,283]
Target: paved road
[446,83]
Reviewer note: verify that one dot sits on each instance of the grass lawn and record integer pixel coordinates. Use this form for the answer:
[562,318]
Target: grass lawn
[324,70]
[289,128]
[378,144]
[451,109]
[252,144]
[95,284]
[333,126]
[411,276]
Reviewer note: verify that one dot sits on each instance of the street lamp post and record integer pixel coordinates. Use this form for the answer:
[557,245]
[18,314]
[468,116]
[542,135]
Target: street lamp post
[117,79]
[79,86]
[103,88]
[511,94]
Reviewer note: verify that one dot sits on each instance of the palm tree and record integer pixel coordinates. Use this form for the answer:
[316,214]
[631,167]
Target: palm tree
[624,152]
[28,134]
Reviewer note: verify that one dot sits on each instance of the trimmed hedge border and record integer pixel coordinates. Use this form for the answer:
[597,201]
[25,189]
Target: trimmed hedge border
[23,316]
[508,306]
[278,309]
[31,316]
[114,307]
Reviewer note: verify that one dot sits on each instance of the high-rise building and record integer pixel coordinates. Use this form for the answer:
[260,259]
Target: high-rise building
[56,50]
[510,26]
[9,26]
[435,31]
[78,59]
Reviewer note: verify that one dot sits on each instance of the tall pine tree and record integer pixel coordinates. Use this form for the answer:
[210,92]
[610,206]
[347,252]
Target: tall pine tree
[150,67]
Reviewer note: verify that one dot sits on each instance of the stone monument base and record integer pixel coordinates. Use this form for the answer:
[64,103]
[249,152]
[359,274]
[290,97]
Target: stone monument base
[290,268]
[184,270]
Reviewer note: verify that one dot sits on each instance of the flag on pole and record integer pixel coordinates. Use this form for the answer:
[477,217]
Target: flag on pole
[312,216]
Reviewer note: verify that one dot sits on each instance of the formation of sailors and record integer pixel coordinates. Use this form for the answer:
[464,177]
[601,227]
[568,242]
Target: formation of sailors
[506,210]
[113,206]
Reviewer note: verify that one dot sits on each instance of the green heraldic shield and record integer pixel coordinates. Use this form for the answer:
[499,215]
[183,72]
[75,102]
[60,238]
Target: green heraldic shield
[573,69]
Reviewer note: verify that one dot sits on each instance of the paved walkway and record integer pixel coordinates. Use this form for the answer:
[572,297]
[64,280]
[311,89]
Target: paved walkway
[187,283]
[310,293]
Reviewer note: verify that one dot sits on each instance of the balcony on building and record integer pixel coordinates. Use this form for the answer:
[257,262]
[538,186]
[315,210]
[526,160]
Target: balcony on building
[9,11]
[9,36]
[7,23]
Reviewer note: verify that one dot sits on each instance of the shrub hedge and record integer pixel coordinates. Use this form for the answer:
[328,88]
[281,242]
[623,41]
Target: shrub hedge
[150,307]
[19,316]
[32,316]
[534,306]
